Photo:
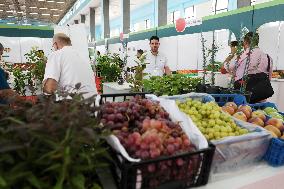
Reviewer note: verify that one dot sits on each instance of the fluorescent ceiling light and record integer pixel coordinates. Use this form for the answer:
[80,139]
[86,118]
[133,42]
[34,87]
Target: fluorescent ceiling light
[50,1]
[26,24]
[56,15]
[21,12]
[10,23]
[33,7]
[60,2]
[45,14]
[43,8]
[42,25]
[53,9]
[33,13]
[10,11]
[1,10]
[60,10]
[41,0]
[10,16]
[1,4]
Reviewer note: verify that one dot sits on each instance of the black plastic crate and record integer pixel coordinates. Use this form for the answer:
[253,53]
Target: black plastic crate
[125,96]
[164,172]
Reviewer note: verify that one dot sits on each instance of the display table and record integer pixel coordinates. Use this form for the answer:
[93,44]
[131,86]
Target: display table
[277,98]
[261,176]
[115,88]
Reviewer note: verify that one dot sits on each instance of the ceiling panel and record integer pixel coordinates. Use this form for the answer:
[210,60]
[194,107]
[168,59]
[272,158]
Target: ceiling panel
[32,11]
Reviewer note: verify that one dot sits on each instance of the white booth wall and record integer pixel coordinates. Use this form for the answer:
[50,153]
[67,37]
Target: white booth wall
[19,46]
[185,51]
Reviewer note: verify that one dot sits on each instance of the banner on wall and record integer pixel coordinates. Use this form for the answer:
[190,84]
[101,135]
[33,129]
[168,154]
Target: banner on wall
[182,23]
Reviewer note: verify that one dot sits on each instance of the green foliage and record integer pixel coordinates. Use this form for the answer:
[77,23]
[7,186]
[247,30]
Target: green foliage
[215,67]
[136,80]
[37,58]
[19,80]
[51,145]
[171,85]
[109,67]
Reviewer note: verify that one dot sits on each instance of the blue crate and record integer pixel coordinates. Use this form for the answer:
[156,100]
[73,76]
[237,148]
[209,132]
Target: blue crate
[275,153]
[222,99]
[263,105]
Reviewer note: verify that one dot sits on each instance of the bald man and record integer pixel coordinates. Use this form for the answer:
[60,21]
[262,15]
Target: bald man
[65,68]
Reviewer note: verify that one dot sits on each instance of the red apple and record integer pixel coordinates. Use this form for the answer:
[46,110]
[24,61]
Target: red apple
[230,110]
[259,114]
[241,116]
[257,121]
[246,110]
[233,105]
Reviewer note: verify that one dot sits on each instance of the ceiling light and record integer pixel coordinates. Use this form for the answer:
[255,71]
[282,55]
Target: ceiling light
[42,25]
[33,7]
[56,15]
[43,8]
[53,9]
[45,14]
[50,1]
[10,16]
[33,13]
[10,11]
[26,24]
[60,2]
[21,12]
[41,0]
[1,10]
[1,4]
[10,23]
[60,10]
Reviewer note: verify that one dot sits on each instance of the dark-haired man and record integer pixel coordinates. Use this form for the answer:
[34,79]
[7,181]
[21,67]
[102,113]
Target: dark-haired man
[157,63]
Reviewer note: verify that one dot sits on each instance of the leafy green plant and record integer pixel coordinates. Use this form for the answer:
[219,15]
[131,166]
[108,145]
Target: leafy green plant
[51,145]
[37,58]
[19,80]
[171,84]
[109,68]
[136,80]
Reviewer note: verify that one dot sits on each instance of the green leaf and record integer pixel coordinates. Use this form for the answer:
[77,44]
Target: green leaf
[34,181]
[96,186]
[52,167]
[3,183]
[78,181]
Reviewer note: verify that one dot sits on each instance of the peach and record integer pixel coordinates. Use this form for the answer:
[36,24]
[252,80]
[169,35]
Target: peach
[240,115]
[246,110]
[256,121]
[230,110]
[259,114]
[275,122]
[233,105]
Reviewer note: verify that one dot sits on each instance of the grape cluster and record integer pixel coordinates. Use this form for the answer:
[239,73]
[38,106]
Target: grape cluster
[146,132]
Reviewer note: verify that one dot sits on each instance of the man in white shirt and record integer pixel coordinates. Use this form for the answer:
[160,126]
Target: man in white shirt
[157,63]
[65,68]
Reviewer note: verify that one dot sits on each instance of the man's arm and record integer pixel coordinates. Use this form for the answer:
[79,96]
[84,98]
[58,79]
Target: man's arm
[50,86]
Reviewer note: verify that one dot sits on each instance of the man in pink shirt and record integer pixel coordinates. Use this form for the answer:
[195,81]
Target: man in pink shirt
[254,64]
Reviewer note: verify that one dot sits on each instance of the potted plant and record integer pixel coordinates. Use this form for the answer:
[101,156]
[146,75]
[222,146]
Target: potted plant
[52,145]
[109,68]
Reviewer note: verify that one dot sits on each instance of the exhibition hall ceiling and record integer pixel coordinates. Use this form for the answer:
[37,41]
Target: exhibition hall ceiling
[25,12]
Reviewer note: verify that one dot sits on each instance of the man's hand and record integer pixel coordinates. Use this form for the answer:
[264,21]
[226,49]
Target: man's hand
[50,86]
[167,70]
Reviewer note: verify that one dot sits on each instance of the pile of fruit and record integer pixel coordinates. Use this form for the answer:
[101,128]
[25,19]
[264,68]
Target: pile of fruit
[210,119]
[258,117]
[145,130]
[272,112]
